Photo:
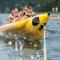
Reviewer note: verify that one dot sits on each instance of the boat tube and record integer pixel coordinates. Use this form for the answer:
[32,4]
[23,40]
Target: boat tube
[31,27]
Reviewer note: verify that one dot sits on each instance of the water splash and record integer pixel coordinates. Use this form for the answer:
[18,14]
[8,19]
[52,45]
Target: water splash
[20,52]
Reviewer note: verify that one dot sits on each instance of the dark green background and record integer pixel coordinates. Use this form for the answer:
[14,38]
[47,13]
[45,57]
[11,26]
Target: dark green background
[38,5]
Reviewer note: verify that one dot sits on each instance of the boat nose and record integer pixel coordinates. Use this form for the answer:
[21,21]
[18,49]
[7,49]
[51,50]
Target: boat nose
[49,14]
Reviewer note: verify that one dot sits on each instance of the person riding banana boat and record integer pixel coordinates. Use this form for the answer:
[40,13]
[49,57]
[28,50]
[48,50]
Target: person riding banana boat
[32,27]
[21,14]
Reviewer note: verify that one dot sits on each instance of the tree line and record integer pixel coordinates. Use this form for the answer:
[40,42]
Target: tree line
[38,5]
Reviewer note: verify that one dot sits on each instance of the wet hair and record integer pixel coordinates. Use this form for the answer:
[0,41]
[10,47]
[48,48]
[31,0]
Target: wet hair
[28,6]
[20,9]
[23,13]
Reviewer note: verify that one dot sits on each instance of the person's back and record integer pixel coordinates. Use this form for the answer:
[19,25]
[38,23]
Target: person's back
[11,17]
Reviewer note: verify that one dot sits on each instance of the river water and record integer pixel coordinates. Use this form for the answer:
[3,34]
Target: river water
[52,43]
[53,39]
[10,51]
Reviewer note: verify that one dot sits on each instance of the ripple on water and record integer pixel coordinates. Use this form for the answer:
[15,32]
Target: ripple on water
[53,40]
[10,53]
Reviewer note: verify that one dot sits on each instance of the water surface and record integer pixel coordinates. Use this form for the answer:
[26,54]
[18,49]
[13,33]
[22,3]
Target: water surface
[52,42]
[11,52]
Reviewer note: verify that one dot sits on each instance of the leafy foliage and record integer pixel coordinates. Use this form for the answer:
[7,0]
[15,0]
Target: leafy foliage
[38,5]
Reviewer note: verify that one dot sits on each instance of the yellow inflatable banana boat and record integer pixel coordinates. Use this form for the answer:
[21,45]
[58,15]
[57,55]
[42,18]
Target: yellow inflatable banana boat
[31,27]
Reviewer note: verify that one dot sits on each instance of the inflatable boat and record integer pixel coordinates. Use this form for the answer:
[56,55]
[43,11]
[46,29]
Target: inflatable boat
[31,27]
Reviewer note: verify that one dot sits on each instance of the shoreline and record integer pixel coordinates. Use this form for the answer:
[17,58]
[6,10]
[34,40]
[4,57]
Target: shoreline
[52,15]
[55,17]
